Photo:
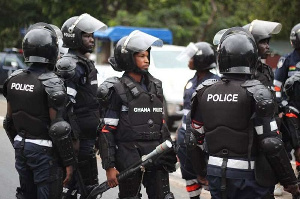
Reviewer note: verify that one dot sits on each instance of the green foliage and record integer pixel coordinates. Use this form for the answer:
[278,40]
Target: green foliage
[189,20]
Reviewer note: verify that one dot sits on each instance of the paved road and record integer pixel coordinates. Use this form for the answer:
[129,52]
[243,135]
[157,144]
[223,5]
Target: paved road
[9,177]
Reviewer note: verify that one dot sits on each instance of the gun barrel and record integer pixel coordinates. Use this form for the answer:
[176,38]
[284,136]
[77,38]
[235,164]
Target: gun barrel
[159,149]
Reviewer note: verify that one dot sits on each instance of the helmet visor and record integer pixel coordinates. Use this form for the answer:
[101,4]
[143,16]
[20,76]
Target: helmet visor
[88,24]
[139,41]
[188,52]
[259,27]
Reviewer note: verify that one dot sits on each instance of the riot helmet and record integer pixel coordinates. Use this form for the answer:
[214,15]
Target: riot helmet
[263,29]
[62,50]
[73,28]
[127,46]
[203,55]
[40,44]
[295,36]
[237,51]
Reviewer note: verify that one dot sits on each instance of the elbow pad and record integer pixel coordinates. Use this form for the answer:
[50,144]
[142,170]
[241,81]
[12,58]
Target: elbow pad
[276,155]
[107,147]
[61,137]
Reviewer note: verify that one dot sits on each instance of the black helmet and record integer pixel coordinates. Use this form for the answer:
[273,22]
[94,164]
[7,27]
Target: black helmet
[127,46]
[40,44]
[72,30]
[263,29]
[203,54]
[237,51]
[62,50]
[295,36]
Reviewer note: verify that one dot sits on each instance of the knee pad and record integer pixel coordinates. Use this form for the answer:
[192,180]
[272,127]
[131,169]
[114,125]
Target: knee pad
[162,184]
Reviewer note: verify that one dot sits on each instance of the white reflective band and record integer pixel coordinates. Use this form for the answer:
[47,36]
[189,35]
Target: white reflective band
[190,182]
[232,163]
[277,83]
[47,143]
[278,94]
[200,130]
[94,82]
[183,126]
[111,121]
[259,130]
[71,91]
[273,125]
[185,111]
[124,108]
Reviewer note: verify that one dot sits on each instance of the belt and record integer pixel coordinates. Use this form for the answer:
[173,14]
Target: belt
[47,143]
[232,163]
[148,136]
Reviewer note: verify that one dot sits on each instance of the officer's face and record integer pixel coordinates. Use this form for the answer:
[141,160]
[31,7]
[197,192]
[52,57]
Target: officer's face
[191,64]
[263,48]
[88,40]
[141,60]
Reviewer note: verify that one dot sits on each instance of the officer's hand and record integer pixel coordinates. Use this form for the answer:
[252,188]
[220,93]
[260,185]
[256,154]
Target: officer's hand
[297,154]
[69,174]
[111,175]
[293,189]
[202,180]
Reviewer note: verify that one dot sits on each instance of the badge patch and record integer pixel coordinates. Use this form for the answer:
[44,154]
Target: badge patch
[280,62]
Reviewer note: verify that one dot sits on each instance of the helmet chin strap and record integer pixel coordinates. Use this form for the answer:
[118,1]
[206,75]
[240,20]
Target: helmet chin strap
[140,71]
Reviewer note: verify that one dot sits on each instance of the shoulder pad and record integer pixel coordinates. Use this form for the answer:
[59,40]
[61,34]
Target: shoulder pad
[253,85]
[250,83]
[16,72]
[104,88]
[290,82]
[265,104]
[206,83]
[66,66]
[46,76]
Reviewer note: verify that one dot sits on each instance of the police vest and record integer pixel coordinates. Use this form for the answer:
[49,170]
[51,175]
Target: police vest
[28,100]
[227,110]
[86,97]
[142,111]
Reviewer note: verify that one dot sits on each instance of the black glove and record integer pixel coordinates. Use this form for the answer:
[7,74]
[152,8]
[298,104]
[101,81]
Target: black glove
[167,161]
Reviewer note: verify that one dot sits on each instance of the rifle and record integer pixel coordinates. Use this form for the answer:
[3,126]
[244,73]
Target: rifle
[141,165]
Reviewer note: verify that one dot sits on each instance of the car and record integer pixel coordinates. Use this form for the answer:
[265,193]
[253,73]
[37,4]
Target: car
[174,75]
[10,60]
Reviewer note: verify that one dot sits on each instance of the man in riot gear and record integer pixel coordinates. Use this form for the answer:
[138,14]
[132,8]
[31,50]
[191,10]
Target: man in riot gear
[34,124]
[202,58]
[235,117]
[80,76]
[262,32]
[133,122]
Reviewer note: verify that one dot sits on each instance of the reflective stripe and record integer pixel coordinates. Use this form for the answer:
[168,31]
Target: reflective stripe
[94,82]
[200,130]
[277,83]
[111,121]
[232,163]
[193,188]
[185,111]
[47,143]
[124,108]
[278,94]
[183,126]
[273,125]
[71,91]
[259,130]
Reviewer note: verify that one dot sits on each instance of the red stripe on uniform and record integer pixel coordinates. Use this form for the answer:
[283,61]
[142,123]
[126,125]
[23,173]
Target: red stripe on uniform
[297,163]
[291,115]
[193,187]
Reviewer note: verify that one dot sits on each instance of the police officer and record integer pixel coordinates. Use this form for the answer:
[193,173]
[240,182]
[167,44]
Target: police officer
[34,124]
[235,115]
[262,32]
[202,58]
[288,64]
[134,123]
[80,76]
